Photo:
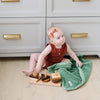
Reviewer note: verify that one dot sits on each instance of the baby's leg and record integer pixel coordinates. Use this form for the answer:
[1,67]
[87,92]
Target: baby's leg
[32,64]
[64,60]
[39,65]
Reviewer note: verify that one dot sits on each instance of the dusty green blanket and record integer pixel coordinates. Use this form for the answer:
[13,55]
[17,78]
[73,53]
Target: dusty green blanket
[72,77]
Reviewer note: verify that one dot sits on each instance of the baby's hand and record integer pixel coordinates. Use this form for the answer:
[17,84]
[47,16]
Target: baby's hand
[79,63]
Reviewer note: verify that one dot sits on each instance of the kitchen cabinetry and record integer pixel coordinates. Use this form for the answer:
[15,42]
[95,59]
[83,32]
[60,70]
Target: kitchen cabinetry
[80,22]
[82,34]
[23,25]
[22,8]
[65,8]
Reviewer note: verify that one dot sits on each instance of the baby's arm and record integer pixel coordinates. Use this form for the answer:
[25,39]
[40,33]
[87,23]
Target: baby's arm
[73,55]
[41,58]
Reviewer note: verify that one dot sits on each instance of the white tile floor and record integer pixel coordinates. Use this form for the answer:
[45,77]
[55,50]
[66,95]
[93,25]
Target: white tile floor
[14,85]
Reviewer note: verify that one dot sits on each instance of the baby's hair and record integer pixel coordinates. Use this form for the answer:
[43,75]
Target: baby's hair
[52,30]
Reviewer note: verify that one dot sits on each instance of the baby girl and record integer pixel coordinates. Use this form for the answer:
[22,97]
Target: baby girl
[53,53]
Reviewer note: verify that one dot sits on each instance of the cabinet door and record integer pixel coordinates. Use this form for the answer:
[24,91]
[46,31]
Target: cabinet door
[21,36]
[63,8]
[22,8]
[82,34]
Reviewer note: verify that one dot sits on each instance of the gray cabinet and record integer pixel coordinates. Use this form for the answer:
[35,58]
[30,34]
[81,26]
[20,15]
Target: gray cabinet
[21,36]
[22,8]
[23,25]
[63,8]
[80,22]
[82,34]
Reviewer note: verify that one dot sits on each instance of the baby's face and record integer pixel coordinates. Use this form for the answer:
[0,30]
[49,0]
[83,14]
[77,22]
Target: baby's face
[58,39]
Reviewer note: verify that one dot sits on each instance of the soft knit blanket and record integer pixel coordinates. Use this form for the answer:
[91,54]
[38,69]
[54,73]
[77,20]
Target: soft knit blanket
[72,76]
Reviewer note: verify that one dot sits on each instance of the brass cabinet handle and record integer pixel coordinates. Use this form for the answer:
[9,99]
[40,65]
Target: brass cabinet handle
[79,35]
[12,36]
[80,0]
[10,0]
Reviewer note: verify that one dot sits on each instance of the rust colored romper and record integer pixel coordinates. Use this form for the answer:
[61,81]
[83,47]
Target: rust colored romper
[56,55]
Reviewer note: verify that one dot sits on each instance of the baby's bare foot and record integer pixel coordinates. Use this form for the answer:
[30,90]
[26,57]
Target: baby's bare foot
[27,72]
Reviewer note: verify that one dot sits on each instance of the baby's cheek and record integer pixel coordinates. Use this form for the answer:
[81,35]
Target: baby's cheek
[64,40]
[59,42]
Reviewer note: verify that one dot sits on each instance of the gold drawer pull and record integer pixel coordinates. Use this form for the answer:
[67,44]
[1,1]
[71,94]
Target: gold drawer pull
[80,0]
[12,36]
[79,35]
[10,0]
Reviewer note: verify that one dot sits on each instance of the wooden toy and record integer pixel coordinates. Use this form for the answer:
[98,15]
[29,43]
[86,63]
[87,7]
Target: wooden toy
[35,75]
[44,79]
[55,77]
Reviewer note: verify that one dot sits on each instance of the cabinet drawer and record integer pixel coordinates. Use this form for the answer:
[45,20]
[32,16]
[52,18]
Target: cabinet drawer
[22,8]
[31,32]
[59,8]
[90,26]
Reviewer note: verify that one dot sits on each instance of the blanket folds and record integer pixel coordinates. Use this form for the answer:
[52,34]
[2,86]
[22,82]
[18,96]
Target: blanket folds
[72,76]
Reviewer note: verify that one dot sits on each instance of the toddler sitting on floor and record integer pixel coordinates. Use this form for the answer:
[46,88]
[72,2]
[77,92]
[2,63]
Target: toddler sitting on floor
[53,53]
